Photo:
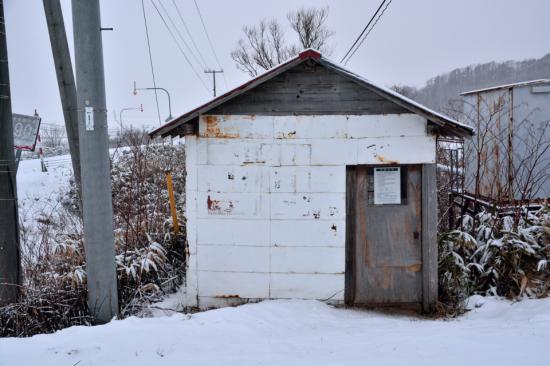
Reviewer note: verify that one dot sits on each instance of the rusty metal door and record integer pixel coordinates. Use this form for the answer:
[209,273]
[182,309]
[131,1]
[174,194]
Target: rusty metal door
[384,243]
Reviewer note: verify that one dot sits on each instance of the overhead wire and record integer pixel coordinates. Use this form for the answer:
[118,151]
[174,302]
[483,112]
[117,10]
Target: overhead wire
[362,36]
[370,30]
[189,49]
[209,40]
[179,46]
[151,59]
[188,32]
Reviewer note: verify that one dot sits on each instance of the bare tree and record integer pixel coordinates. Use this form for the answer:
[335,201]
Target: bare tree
[309,24]
[264,45]
[408,91]
[53,136]
[263,48]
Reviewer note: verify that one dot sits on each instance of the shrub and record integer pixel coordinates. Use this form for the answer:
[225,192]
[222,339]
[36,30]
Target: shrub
[150,260]
[495,257]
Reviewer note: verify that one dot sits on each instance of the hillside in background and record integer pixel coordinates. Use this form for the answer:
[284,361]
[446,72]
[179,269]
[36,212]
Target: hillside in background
[440,91]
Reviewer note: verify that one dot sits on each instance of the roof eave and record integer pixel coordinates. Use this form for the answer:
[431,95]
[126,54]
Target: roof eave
[454,128]
[506,86]
[448,126]
[165,130]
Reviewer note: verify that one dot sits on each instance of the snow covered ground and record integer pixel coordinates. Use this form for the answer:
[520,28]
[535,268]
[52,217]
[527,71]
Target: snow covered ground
[278,332]
[286,332]
[38,191]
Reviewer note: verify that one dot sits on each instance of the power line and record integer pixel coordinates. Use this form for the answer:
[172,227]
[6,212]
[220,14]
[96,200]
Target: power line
[178,45]
[209,41]
[363,31]
[189,49]
[151,59]
[370,30]
[360,39]
[188,32]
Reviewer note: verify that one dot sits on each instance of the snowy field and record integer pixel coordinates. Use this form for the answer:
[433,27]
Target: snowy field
[38,191]
[285,332]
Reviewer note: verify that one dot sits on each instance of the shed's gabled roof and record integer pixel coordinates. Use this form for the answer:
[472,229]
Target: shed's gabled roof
[448,125]
[507,86]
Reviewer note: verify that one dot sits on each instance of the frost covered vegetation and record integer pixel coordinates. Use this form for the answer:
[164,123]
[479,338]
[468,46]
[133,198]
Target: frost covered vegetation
[493,255]
[149,258]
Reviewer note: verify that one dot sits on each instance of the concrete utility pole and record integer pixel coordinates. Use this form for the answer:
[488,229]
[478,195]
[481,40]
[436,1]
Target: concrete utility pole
[213,72]
[9,227]
[97,205]
[65,79]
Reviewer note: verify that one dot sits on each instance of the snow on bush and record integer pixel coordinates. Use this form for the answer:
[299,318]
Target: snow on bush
[150,260]
[492,255]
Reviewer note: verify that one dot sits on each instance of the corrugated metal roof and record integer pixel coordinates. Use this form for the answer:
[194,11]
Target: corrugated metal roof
[450,125]
[507,86]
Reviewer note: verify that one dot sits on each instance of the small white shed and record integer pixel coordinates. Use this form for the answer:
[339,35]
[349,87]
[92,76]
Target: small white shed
[311,182]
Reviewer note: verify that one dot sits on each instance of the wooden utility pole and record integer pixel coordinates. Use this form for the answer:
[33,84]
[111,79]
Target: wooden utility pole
[9,223]
[213,72]
[97,205]
[172,203]
[65,79]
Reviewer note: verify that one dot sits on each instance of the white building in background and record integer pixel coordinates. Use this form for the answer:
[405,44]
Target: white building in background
[515,150]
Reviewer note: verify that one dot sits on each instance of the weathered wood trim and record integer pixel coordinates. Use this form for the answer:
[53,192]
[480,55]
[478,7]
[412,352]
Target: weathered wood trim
[349,292]
[309,90]
[429,237]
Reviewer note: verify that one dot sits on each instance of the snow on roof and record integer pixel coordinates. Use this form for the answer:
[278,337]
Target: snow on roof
[507,86]
[452,126]
[402,97]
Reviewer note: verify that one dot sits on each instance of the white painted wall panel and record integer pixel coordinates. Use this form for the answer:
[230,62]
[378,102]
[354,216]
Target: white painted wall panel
[333,152]
[386,125]
[191,278]
[307,286]
[310,127]
[396,150]
[201,150]
[314,179]
[242,284]
[229,178]
[309,206]
[295,153]
[308,232]
[307,260]
[233,232]
[233,205]
[243,152]
[233,258]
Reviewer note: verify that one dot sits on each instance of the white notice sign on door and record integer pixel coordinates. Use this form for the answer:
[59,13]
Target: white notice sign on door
[387,186]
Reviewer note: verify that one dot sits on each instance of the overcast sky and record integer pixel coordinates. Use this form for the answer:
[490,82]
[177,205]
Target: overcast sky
[414,41]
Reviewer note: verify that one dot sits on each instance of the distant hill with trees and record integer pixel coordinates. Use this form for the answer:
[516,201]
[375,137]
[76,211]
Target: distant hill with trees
[442,91]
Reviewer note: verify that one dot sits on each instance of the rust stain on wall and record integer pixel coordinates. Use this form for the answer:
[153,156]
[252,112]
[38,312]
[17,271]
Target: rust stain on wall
[229,296]
[213,205]
[382,159]
[213,129]
[414,267]
[289,135]
[219,207]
